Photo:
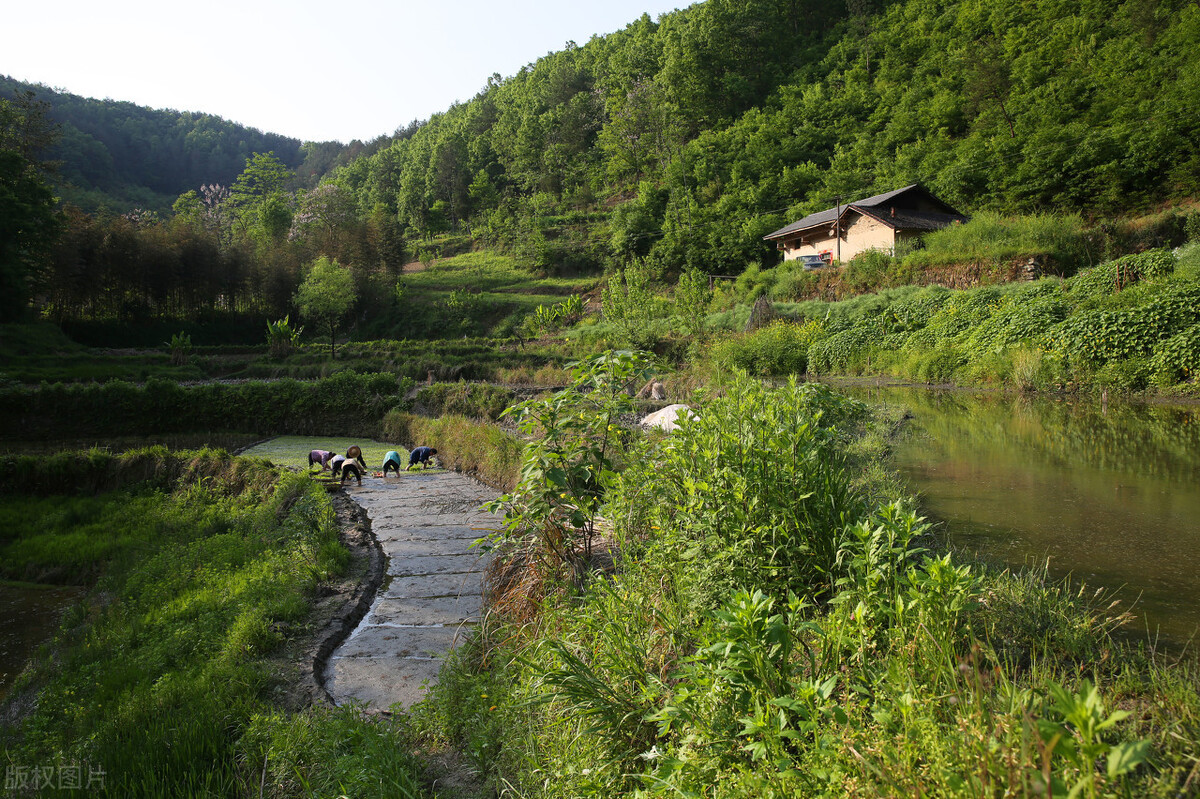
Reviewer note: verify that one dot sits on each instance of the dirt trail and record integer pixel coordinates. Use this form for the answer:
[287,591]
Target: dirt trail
[431,597]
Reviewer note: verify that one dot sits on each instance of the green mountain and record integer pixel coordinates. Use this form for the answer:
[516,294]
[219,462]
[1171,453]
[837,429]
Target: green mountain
[118,155]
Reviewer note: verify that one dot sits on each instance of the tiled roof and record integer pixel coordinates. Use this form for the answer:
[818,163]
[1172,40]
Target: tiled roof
[905,219]
[916,220]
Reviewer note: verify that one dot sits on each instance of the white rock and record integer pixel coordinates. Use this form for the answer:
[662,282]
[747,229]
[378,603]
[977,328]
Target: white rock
[665,419]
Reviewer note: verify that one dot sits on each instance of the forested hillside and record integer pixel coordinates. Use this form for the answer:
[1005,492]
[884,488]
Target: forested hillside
[721,122]
[676,142]
[118,155]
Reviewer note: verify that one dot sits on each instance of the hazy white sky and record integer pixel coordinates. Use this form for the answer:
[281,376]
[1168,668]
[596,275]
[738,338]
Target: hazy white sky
[311,70]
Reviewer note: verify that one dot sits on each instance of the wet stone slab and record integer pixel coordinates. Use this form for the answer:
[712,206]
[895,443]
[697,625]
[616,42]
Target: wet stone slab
[416,566]
[379,684]
[397,643]
[425,524]
[403,546]
[426,610]
[433,585]
[461,536]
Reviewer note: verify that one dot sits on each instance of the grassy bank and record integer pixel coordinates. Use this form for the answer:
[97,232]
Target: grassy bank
[472,294]
[174,677]
[774,623]
[1130,324]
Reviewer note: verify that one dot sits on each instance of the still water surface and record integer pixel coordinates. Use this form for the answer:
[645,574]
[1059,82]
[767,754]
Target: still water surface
[1110,493]
[29,617]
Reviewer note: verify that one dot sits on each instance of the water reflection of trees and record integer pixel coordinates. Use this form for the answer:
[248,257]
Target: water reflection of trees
[1149,440]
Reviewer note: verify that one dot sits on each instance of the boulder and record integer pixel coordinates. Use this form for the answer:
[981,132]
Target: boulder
[666,419]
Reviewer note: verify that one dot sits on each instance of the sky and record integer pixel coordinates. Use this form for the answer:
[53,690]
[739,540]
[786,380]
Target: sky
[316,71]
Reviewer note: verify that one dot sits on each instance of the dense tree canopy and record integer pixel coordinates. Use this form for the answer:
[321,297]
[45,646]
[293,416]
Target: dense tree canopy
[749,114]
[29,219]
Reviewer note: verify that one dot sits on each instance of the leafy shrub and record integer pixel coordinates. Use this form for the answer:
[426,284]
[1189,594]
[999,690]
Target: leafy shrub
[631,307]
[752,283]
[777,446]
[793,281]
[939,364]
[1098,336]
[1125,375]
[838,352]
[1118,273]
[867,270]
[1018,317]
[571,448]
[914,311]
[1177,358]
[780,348]
[282,338]
[1152,264]
[961,312]
[180,347]
[548,318]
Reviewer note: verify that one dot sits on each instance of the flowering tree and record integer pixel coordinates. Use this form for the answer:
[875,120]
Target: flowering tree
[323,213]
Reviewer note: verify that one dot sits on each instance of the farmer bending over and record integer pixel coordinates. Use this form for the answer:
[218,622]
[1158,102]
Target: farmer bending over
[420,455]
[321,458]
[392,461]
[355,454]
[351,468]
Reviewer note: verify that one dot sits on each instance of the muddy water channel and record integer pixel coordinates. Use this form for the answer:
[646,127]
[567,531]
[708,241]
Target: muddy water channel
[29,617]
[1109,492]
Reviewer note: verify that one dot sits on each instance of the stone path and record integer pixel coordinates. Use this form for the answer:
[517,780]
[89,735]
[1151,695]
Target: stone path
[431,595]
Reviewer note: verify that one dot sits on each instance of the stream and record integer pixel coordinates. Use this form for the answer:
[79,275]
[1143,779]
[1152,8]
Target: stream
[1109,492]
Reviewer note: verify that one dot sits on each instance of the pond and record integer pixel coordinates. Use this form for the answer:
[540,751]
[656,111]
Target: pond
[29,617]
[1109,492]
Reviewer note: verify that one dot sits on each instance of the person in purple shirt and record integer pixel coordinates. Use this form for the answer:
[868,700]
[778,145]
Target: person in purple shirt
[321,457]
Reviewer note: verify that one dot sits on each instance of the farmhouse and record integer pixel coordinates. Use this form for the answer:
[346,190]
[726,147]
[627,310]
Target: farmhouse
[876,223]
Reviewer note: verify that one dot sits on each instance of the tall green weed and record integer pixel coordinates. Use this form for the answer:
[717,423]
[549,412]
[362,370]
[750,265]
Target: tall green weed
[761,506]
[992,237]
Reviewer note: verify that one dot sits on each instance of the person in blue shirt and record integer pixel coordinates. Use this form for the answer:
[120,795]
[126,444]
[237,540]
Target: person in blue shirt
[392,461]
[420,455]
